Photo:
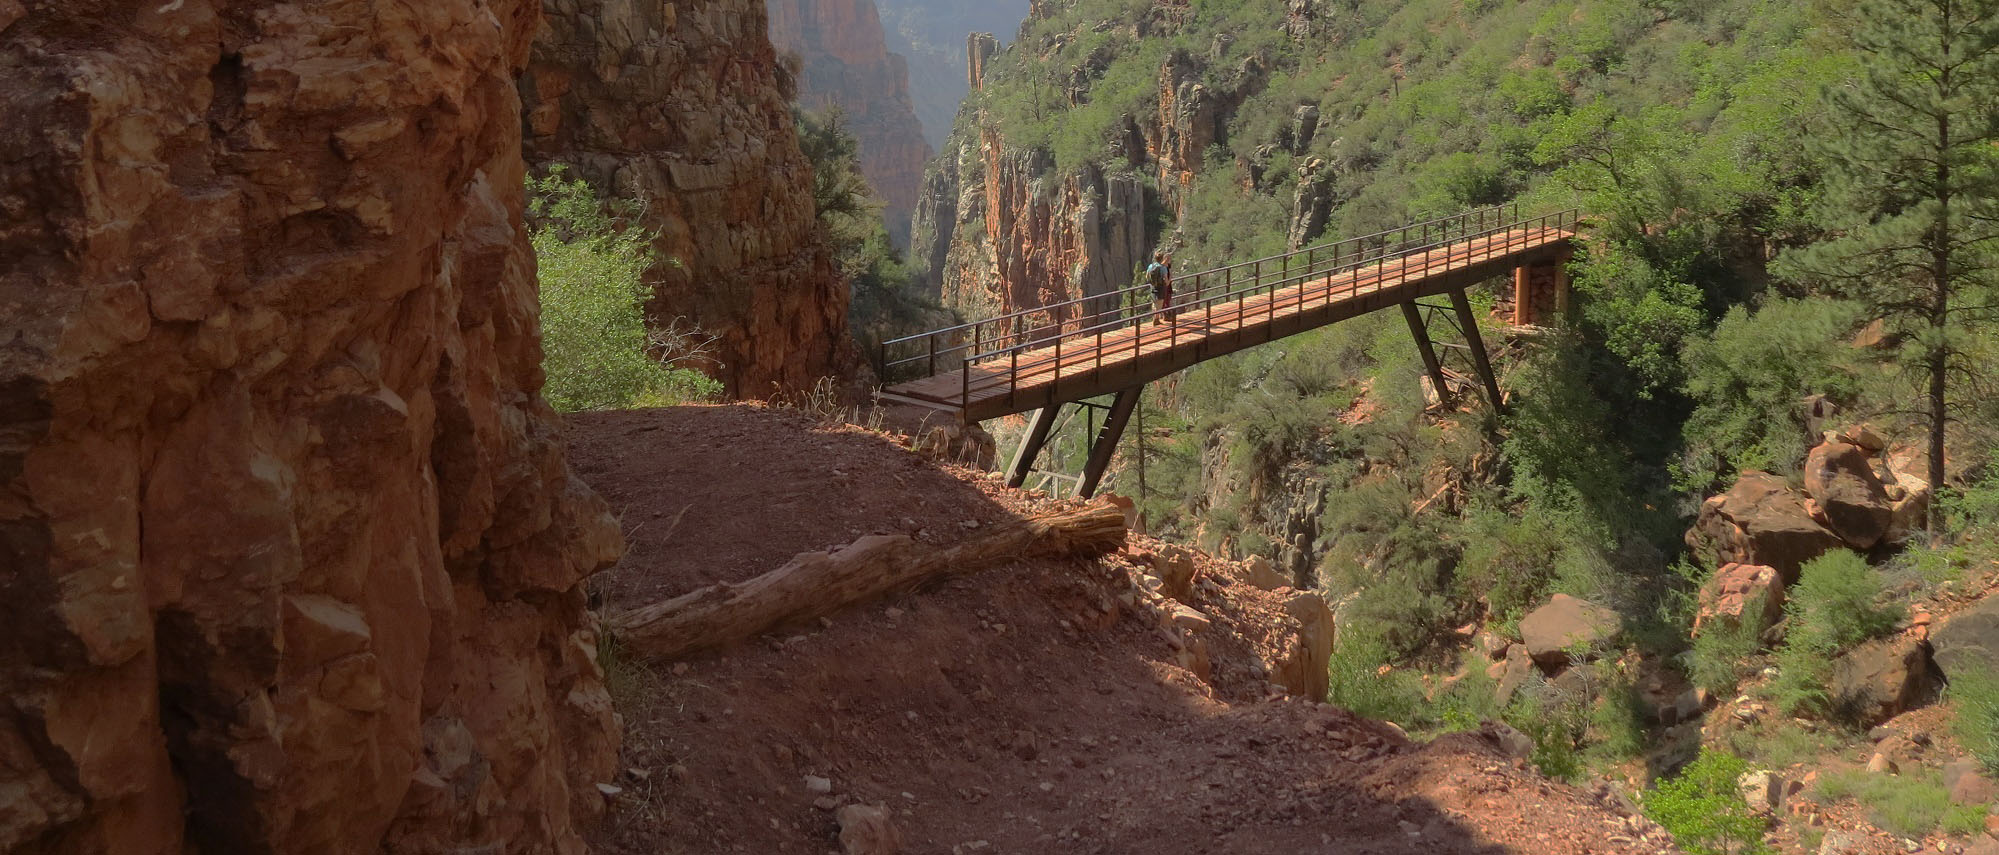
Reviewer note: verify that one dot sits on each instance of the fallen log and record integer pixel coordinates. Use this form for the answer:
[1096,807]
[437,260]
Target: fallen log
[818,583]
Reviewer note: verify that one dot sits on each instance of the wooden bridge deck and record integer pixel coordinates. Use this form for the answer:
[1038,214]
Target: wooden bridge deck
[1084,365]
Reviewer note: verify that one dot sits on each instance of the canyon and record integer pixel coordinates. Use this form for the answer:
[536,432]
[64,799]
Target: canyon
[932,36]
[845,63]
[713,156]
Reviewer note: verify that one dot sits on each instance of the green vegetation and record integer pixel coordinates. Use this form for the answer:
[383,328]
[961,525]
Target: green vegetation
[1912,805]
[1759,258]
[1974,698]
[885,300]
[1836,604]
[597,350]
[1704,810]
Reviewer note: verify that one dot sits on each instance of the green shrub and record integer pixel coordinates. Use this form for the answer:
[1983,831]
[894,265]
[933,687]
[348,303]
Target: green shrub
[597,352]
[1911,805]
[1724,651]
[1746,380]
[1359,682]
[1836,604]
[1705,811]
[1974,702]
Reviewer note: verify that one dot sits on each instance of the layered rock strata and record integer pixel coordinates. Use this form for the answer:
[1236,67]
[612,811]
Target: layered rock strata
[682,104]
[847,64]
[290,559]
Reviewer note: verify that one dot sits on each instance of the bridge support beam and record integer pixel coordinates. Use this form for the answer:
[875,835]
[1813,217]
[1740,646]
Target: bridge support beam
[1030,445]
[1105,444]
[1468,323]
[1421,332]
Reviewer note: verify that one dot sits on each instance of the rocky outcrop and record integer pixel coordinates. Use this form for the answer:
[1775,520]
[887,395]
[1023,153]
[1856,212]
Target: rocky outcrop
[1762,521]
[1739,594]
[1565,624]
[1847,494]
[1877,680]
[1968,643]
[680,104]
[292,558]
[847,65]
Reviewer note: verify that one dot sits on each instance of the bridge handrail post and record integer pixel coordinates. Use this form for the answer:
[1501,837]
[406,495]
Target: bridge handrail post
[933,355]
[964,384]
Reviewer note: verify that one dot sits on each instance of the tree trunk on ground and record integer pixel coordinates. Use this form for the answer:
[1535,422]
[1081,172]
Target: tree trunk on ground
[815,584]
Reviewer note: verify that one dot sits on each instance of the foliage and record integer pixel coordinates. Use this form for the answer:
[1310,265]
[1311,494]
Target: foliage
[1749,377]
[885,296]
[1974,702]
[1910,805]
[1722,653]
[1908,213]
[1704,810]
[596,350]
[1836,604]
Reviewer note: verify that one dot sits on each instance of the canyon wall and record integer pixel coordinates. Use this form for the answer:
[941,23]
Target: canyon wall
[290,559]
[846,63]
[682,104]
[930,34]
[1001,226]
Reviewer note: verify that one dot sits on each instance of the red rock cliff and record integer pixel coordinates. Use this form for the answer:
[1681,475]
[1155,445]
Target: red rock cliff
[847,63]
[680,103]
[290,560]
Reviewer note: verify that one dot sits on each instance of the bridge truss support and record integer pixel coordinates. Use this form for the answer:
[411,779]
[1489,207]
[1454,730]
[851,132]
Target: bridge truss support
[1420,331]
[1468,324]
[1103,446]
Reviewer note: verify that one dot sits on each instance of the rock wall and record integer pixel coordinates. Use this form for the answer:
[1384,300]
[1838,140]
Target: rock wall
[682,103]
[290,559]
[847,64]
[1002,227]
[932,35]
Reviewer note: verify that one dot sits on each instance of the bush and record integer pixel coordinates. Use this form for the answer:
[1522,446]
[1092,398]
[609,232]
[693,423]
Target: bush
[1909,805]
[596,350]
[1747,378]
[1705,811]
[1361,681]
[1835,605]
[1974,701]
[1722,652]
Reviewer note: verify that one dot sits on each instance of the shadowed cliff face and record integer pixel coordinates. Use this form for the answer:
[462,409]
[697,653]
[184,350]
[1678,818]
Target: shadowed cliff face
[847,64]
[680,104]
[930,34]
[290,560]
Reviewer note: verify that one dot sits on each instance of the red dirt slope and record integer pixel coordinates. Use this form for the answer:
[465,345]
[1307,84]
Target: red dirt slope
[1032,708]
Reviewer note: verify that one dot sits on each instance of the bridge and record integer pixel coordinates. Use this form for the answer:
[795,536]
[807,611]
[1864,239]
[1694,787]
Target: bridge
[1114,343]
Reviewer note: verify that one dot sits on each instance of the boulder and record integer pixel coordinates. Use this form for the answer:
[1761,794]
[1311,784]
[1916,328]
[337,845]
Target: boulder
[1567,622]
[1864,436]
[1877,680]
[1174,566]
[1740,591]
[866,830]
[1510,673]
[1260,572]
[1968,643]
[1303,670]
[1851,498]
[1968,784]
[1761,520]
[1762,789]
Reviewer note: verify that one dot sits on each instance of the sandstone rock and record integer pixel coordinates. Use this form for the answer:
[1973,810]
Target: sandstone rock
[847,65]
[1510,741]
[1763,790]
[867,830]
[1968,643]
[1852,498]
[1263,574]
[1511,673]
[1875,681]
[1737,589]
[1968,784]
[1303,670]
[1843,843]
[293,559]
[1989,843]
[1761,520]
[1184,617]
[1174,566]
[1882,764]
[714,153]
[1865,437]
[1566,622]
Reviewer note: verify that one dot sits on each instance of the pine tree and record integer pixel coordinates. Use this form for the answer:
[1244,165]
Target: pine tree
[1912,181]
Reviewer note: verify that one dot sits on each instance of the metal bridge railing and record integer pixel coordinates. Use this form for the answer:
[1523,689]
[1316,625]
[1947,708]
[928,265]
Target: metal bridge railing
[1009,336]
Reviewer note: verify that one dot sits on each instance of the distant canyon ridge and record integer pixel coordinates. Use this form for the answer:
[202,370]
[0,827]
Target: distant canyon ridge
[898,73]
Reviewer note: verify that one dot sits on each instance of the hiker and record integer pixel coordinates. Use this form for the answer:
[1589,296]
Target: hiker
[1160,274]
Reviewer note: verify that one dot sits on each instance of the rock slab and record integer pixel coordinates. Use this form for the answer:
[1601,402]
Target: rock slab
[1564,623]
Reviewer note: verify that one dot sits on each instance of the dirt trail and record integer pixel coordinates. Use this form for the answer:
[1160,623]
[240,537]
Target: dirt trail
[1022,710]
